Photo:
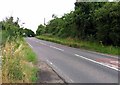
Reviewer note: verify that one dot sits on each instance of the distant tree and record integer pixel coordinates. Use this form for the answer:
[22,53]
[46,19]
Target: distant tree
[54,16]
[40,30]
[28,33]
[10,26]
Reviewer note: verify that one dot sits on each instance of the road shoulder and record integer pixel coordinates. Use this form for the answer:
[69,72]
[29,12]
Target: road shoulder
[47,75]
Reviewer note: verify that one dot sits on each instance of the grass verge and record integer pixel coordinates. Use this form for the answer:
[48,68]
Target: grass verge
[18,62]
[82,44]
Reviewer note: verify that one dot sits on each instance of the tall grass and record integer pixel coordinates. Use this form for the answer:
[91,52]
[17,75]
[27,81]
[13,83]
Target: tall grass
[0,57]
[82,44]
[3,37]
[0,71]
[17,65]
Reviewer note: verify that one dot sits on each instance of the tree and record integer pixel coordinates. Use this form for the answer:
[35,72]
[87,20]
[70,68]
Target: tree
[40,30]
[28,33]
[97,22]
[108,24]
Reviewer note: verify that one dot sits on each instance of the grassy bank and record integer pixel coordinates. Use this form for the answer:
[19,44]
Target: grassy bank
[82,44]
[18,62]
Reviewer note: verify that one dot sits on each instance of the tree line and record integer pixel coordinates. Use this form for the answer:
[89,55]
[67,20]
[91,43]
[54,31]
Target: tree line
[97,22]
[11,29]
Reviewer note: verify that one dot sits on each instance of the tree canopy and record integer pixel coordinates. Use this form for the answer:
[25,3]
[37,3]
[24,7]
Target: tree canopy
[99,22]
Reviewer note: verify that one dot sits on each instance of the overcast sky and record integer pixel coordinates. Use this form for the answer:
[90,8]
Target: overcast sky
[33,12]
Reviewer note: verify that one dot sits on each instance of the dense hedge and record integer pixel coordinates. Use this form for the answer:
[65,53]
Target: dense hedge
[99,22]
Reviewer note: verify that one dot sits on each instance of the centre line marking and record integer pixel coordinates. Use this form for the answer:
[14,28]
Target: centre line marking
[56,48]
[41,43]
[97,62]
[50,46]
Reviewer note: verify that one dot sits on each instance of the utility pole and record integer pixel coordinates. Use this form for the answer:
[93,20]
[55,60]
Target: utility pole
[44,21]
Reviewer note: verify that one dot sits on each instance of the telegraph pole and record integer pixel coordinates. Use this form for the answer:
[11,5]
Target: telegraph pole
[44,22]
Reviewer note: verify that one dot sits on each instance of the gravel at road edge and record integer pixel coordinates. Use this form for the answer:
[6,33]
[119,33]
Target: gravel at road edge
[47,75]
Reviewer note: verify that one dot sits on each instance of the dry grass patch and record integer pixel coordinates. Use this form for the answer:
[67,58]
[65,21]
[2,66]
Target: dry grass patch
[16,68]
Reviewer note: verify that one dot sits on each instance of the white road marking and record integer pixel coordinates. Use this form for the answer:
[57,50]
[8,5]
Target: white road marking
[50,46]
[56,48]
[116,57]
[97,62]
[71,81]
[114,62]
[111,65]
[30,45]
[37,41]
[42,43]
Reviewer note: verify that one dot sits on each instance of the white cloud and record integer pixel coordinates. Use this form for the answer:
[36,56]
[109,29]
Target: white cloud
[33,12]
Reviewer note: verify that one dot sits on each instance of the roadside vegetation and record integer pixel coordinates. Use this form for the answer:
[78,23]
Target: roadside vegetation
[18,59]
[18,63]
[93,46]
[93,26]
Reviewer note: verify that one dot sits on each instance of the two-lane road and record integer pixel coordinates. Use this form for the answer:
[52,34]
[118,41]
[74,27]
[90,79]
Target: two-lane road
[76,65]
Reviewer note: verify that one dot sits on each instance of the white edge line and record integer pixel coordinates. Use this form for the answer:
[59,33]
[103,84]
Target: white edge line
[30,45]
[97,62]
[60,71]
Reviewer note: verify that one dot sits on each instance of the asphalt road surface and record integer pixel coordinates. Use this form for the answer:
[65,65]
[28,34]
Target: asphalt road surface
[76,65]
